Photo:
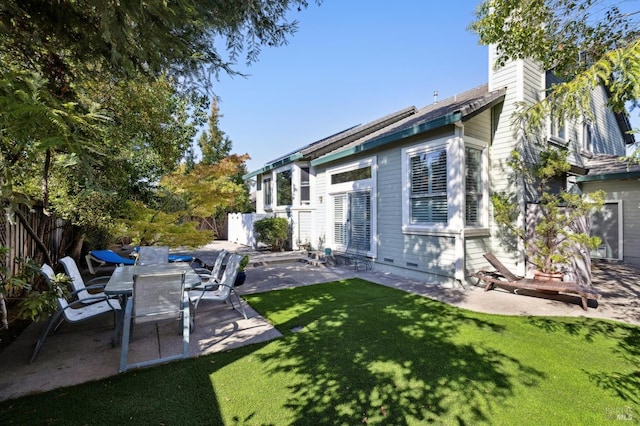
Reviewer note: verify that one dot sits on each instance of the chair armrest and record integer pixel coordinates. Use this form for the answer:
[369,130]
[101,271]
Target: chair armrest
[104,279]
[90,300]
[96,287]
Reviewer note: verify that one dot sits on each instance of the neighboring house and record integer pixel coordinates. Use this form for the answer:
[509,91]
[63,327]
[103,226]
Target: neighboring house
[412,190]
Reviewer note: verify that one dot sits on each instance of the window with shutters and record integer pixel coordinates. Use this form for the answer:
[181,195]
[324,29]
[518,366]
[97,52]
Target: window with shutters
[473,184]
[444,186]
[352,194]
[340,219]
[359,231]
[428,187]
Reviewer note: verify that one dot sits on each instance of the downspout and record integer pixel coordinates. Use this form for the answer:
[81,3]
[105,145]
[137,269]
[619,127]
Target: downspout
[460,237]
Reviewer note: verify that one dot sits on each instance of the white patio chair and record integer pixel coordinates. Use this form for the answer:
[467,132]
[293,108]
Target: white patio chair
[224,291]
[156,297]
[211,277]
[153,255]
[76,311]
[79,287]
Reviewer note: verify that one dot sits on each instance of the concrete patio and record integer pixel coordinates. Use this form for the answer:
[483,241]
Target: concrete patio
[83,352]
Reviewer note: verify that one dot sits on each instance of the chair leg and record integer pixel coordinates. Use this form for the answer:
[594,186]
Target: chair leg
[50,324]
[244,314]
[186,328]
[126,332]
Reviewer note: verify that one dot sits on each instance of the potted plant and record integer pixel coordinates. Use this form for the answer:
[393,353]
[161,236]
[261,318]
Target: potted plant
[555,235]
[242,274]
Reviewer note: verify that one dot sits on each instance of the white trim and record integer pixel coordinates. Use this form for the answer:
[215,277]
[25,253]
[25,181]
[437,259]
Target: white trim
[274,196]
[455,149]
[406,153]
[354,186]
[483,217]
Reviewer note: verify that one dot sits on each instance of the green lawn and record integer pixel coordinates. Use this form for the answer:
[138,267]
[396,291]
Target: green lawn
[368,354]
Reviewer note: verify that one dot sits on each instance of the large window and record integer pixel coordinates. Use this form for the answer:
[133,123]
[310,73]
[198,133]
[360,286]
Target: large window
[428,187]
[352,221]
[283,187]
[473,183]
[352,194]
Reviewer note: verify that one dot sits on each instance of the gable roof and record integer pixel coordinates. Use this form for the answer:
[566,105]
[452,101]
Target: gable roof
[609,167]
[391,128]
[457,108]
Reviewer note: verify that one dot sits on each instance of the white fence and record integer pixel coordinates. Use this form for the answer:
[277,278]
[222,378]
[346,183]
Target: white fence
[240,228]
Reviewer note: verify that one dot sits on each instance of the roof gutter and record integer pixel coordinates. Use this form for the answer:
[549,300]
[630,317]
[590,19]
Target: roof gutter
[275,165]
[609,176]
[392,137]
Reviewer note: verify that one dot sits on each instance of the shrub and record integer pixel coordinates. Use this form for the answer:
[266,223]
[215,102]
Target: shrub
[272,231]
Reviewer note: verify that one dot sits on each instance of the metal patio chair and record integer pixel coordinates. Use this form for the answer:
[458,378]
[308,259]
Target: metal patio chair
[221,292]
[155,298]
[153,255]
[75,311]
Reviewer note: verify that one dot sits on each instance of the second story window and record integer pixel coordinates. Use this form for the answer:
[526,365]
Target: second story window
[557,129]
[305,189]
[587,137]
[266,184]
[283,188]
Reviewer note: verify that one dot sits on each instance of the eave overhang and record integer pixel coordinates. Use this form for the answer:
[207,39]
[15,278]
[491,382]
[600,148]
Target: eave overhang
[282,162]
[417,129]
[609,176]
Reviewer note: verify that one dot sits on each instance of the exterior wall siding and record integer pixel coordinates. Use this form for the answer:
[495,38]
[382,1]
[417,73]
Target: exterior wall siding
[479,127]
[524,81]
[475,247]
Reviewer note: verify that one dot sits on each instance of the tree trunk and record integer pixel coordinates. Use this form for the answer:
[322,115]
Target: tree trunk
[4,325]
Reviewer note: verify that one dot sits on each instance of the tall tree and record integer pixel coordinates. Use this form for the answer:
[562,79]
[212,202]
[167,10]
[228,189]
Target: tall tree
[196,39]
[216,146]
[57,54]
[213,142]
[587,43]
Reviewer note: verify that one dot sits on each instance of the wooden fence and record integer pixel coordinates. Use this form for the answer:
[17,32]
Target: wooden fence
[14,236]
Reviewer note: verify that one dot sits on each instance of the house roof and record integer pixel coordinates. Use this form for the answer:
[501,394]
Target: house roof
[609,167]
[401,124]
[457,108]
[330,143]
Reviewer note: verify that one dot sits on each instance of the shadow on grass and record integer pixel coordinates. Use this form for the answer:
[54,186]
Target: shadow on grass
[625,385]
[366,354]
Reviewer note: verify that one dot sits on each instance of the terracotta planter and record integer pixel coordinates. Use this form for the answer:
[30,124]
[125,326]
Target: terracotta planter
[548,276]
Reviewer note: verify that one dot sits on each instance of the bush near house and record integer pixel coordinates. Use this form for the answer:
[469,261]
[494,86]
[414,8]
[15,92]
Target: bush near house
[272,231]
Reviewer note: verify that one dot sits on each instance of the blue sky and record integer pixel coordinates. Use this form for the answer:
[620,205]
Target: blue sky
[351,62]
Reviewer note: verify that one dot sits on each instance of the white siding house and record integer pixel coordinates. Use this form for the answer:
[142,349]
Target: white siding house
[411,190]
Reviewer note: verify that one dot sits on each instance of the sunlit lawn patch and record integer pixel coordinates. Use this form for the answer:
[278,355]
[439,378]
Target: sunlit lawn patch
[356,352]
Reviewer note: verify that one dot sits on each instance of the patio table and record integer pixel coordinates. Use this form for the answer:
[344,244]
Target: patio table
[121,284]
